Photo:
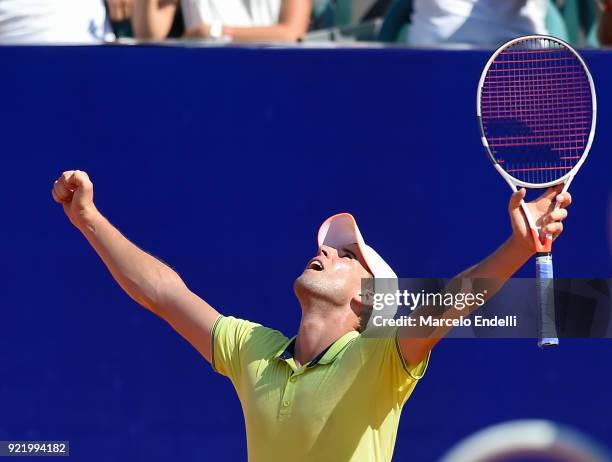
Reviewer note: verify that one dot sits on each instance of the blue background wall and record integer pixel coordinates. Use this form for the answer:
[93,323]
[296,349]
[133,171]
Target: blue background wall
[223,162]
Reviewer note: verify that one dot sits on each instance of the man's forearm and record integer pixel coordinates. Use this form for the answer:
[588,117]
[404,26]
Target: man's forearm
[502,263]
[485,278]
[491,274]
[140,275]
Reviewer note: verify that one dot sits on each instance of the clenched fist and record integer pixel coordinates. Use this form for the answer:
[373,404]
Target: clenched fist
[74,190]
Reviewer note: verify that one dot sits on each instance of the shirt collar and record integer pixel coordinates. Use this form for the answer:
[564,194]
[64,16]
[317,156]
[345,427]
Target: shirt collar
[328,355]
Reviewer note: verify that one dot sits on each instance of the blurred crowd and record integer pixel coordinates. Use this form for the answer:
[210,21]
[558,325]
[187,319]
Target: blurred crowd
[415,22]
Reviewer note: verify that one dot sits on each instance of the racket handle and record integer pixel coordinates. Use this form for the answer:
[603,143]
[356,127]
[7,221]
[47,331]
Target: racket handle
[545,289]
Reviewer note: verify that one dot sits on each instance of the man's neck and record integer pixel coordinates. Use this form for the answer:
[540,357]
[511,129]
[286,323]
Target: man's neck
[319,328]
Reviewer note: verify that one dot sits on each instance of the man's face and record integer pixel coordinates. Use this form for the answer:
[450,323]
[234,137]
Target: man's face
[334,275]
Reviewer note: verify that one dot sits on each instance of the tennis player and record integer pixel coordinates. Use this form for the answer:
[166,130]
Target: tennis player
[331,393]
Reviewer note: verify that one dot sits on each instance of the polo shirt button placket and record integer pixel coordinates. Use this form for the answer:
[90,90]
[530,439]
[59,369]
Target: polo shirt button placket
[287,399]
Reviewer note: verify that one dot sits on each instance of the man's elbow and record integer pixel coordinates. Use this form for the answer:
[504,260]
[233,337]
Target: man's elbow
[167,287]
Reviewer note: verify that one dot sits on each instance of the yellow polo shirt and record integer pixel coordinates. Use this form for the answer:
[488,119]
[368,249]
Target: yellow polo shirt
[344,405]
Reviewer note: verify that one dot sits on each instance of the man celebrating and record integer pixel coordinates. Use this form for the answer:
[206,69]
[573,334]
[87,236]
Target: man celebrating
[331,393]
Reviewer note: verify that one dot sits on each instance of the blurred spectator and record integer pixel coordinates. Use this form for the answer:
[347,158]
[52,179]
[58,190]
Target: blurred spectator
[53,21]
[476,22]
[120,10]
[241,20]
[605,23]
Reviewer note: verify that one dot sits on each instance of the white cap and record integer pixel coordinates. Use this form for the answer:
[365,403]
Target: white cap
[340,230]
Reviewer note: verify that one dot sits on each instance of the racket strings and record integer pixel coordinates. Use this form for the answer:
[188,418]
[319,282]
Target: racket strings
[536,110]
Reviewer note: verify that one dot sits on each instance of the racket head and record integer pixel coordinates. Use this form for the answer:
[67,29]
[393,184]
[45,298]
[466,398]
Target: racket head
[537,111]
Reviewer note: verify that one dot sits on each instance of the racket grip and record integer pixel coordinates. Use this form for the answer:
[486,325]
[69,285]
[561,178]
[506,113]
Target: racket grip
[545,289]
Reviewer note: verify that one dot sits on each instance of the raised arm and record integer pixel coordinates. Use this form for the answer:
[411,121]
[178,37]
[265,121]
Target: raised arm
[293,23]
[498,267]
[147,280]
[153,18]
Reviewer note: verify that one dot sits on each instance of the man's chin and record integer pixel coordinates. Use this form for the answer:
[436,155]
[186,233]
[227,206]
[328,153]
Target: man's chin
[306,277]
[309,282]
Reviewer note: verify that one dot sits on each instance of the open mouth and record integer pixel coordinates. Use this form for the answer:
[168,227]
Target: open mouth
[315,265]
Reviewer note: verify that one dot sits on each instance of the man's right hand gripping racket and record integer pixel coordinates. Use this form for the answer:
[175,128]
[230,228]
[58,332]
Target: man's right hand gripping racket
[537,109]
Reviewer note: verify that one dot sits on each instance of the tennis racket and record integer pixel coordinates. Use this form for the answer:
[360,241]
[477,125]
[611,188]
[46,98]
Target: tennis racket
[536,108]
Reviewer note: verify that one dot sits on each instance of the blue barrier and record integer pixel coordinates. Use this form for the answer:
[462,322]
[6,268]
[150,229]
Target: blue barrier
[223,162]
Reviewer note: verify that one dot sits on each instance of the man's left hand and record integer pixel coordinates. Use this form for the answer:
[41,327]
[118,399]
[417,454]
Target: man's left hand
[543,212]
